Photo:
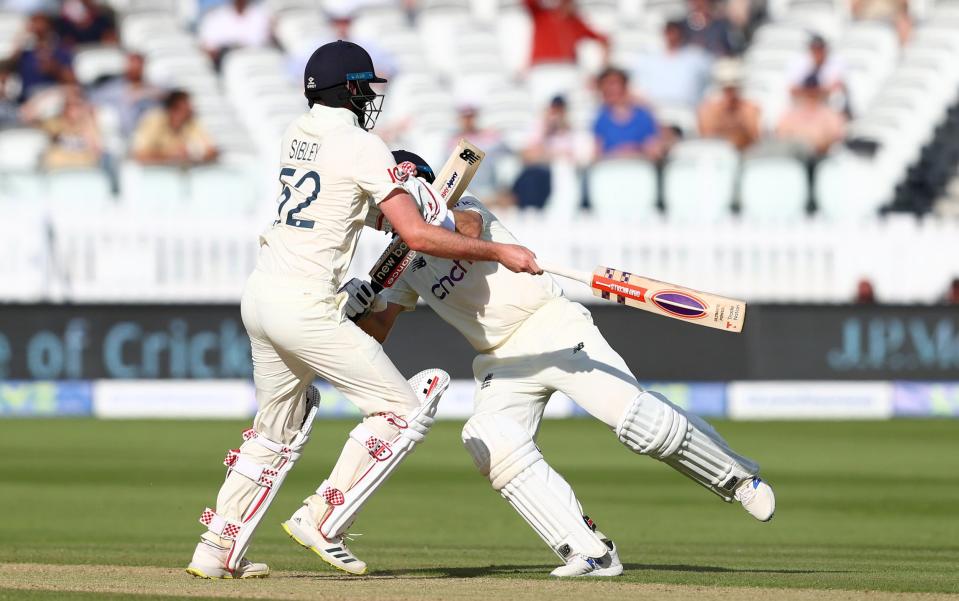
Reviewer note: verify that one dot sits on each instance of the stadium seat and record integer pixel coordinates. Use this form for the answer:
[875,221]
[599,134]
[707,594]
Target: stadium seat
[514,31]
[773,188]
[622,189]
[22,148]
[138,29]
[846,188]
[22,188]
[153,189]
[699,180]
[222,190]
[94,63]
[78,190]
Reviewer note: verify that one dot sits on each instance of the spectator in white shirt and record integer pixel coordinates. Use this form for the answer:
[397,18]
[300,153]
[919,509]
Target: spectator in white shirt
[677,75]
[237,24]
[828,70]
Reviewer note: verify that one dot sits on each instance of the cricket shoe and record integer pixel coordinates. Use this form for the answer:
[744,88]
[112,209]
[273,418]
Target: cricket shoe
[333,551]
[583,565]
[613,551]
[209,562]
[757,498]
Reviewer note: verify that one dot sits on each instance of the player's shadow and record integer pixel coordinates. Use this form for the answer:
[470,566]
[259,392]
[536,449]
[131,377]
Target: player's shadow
[539,570]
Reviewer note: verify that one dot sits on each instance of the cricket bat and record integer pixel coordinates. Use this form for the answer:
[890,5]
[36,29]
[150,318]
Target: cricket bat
[662,298]
[449,185]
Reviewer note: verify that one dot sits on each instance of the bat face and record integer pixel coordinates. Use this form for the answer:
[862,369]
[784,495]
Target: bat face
[670,300]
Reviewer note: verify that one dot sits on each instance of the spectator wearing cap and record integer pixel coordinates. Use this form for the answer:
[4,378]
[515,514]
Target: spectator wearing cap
[236,24]
[42,60]
[726,114]
[828,70]
[553,140]
[86,22]
[810,122]
[171,135]
[713,32]
[677,75]
[623,127]
[491,141]
[557,31]
[130,95]
[75,139]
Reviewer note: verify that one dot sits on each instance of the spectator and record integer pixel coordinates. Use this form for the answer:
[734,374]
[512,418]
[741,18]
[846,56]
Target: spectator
[9,108]
[623,128]
[237,24]
[677,75]
[827,69]
[714,34]
[952,294]
[42,60]
[810,122]
[552,140]
[74,134]
[726,114]
[130,95]
[341,24]
[557,30]
[171,135]
[865,294]
[484,182]
[86,22]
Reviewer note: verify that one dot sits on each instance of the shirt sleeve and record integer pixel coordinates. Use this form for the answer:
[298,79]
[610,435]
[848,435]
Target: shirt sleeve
[144,138]
[401,294]
[374,168]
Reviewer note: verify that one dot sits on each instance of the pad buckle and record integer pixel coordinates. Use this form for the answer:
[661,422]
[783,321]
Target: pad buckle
[379,449]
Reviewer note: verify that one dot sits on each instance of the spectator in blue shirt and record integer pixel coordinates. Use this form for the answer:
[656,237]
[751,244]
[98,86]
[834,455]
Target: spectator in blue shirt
[44,60]
[623,127]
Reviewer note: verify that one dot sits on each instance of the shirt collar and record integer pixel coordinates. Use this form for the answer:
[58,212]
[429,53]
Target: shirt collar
[321,111]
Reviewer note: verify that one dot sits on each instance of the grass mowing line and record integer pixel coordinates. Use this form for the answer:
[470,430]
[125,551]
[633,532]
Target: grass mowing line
[143,583]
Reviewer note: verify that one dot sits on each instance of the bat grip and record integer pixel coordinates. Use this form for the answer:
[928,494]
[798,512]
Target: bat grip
[573,274]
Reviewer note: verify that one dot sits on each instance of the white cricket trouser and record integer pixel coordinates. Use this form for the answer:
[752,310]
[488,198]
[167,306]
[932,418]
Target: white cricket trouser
[556,348]
[297,333]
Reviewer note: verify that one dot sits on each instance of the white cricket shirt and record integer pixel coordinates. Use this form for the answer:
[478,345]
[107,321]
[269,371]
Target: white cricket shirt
[331,171]
[485,301]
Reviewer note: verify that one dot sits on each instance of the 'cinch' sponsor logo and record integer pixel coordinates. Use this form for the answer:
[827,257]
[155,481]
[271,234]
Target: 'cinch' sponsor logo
[444,285]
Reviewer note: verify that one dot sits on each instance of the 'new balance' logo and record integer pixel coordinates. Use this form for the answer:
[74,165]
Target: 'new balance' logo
[578,348]
[418,263]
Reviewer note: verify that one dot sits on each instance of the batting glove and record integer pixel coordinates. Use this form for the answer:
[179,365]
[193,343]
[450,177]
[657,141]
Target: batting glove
[360,300]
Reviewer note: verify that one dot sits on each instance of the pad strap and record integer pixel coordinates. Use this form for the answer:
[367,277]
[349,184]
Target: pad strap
[219,525]
[264,475]
[378,448]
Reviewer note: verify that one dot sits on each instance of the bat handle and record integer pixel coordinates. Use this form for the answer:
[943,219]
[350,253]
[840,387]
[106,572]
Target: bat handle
[573,274]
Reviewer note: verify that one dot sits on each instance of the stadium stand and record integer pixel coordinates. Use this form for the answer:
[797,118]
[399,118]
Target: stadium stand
[899,153]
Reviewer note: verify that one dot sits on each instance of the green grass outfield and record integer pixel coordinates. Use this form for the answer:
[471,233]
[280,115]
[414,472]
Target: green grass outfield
[861,506]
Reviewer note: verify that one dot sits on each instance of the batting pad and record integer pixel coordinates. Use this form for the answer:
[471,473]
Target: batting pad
[655,427]
[504,452]
[429,386]
[266,477]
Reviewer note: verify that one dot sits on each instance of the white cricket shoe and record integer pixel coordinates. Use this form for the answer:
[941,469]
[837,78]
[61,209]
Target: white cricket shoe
[581,565]
[757,498]
[613,551]
[209,561]
[304,531]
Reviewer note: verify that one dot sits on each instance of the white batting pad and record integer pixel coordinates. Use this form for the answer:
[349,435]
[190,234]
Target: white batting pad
[267,477]
[503,451]
[429,386]
[655,427]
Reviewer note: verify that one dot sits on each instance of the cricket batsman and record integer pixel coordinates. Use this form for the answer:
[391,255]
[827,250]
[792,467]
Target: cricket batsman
[532,341]
[332,171]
